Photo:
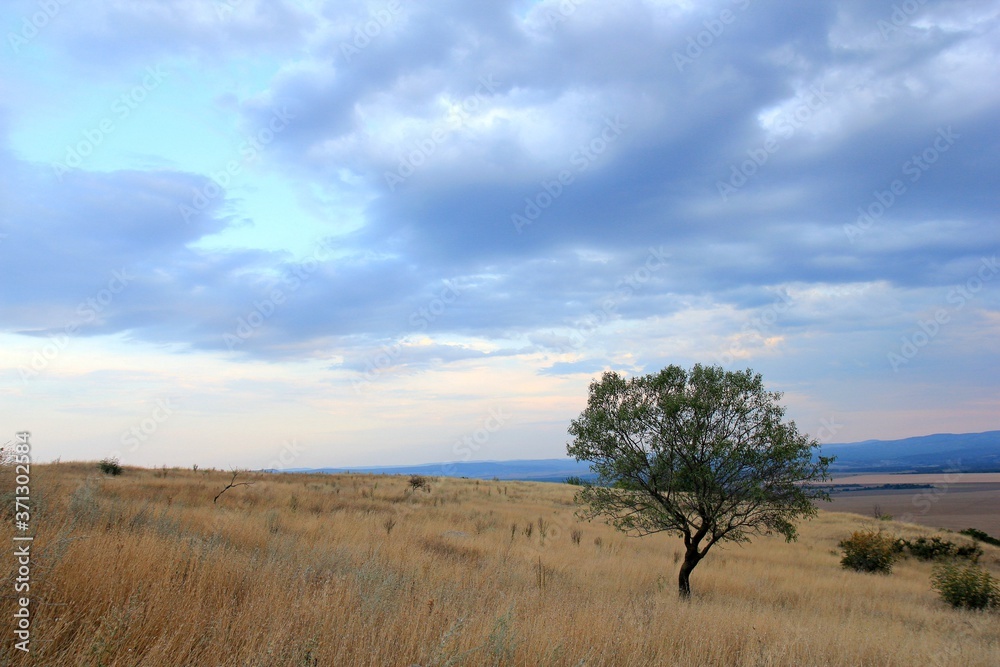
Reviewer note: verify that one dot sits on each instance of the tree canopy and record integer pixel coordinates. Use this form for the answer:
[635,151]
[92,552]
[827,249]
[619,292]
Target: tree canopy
[705,454]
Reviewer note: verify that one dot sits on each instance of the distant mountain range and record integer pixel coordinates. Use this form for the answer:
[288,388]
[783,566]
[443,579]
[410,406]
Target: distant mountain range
[942,452]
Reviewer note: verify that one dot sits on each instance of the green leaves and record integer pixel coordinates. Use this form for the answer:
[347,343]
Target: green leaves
[705,451]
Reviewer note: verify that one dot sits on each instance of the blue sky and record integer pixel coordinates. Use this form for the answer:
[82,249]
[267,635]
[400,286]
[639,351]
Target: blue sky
[312,233]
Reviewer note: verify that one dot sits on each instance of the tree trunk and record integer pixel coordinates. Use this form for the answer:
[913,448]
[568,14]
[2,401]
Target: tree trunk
[691,558]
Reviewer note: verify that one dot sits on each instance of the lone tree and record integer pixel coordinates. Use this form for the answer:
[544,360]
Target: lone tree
[703,453]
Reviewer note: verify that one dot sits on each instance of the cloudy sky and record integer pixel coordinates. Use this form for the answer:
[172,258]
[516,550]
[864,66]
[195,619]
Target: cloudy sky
[254,232]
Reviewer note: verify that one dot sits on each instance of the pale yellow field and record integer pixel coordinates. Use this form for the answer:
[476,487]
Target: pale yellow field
[355,570]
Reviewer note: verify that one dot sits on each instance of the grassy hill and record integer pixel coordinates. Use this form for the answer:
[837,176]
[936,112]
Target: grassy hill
[308,570]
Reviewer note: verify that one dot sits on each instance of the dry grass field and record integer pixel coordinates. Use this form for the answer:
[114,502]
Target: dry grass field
[345,570]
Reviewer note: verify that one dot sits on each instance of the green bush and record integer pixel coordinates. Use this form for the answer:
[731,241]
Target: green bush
[980,536]
[110,466]
[869,551]
[935,549]
[970,586]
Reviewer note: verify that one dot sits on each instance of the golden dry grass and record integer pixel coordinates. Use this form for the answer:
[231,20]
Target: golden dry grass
[355,570]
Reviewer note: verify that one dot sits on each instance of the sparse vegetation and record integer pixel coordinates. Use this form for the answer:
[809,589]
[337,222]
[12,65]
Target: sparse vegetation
[125,576]
[880,515]
[234,484]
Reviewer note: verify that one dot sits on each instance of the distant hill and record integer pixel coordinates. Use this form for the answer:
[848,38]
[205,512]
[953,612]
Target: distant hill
[942,452]
[532,470]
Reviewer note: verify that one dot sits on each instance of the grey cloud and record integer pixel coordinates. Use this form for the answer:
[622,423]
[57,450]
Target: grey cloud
[883,101]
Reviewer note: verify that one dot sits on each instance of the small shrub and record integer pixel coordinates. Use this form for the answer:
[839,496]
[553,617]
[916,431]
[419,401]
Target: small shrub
[576,535]
[880,515]
[969,587]
[980,536]
[935,548]
[869,551]
[574,480]
[389,524]
[543,530]
[418,482]
[110,466]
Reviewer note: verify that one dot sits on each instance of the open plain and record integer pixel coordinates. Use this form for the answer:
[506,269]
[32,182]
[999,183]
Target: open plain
[944,500]
[143,569]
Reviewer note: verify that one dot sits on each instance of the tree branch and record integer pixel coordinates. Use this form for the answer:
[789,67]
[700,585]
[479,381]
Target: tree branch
[232,485]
